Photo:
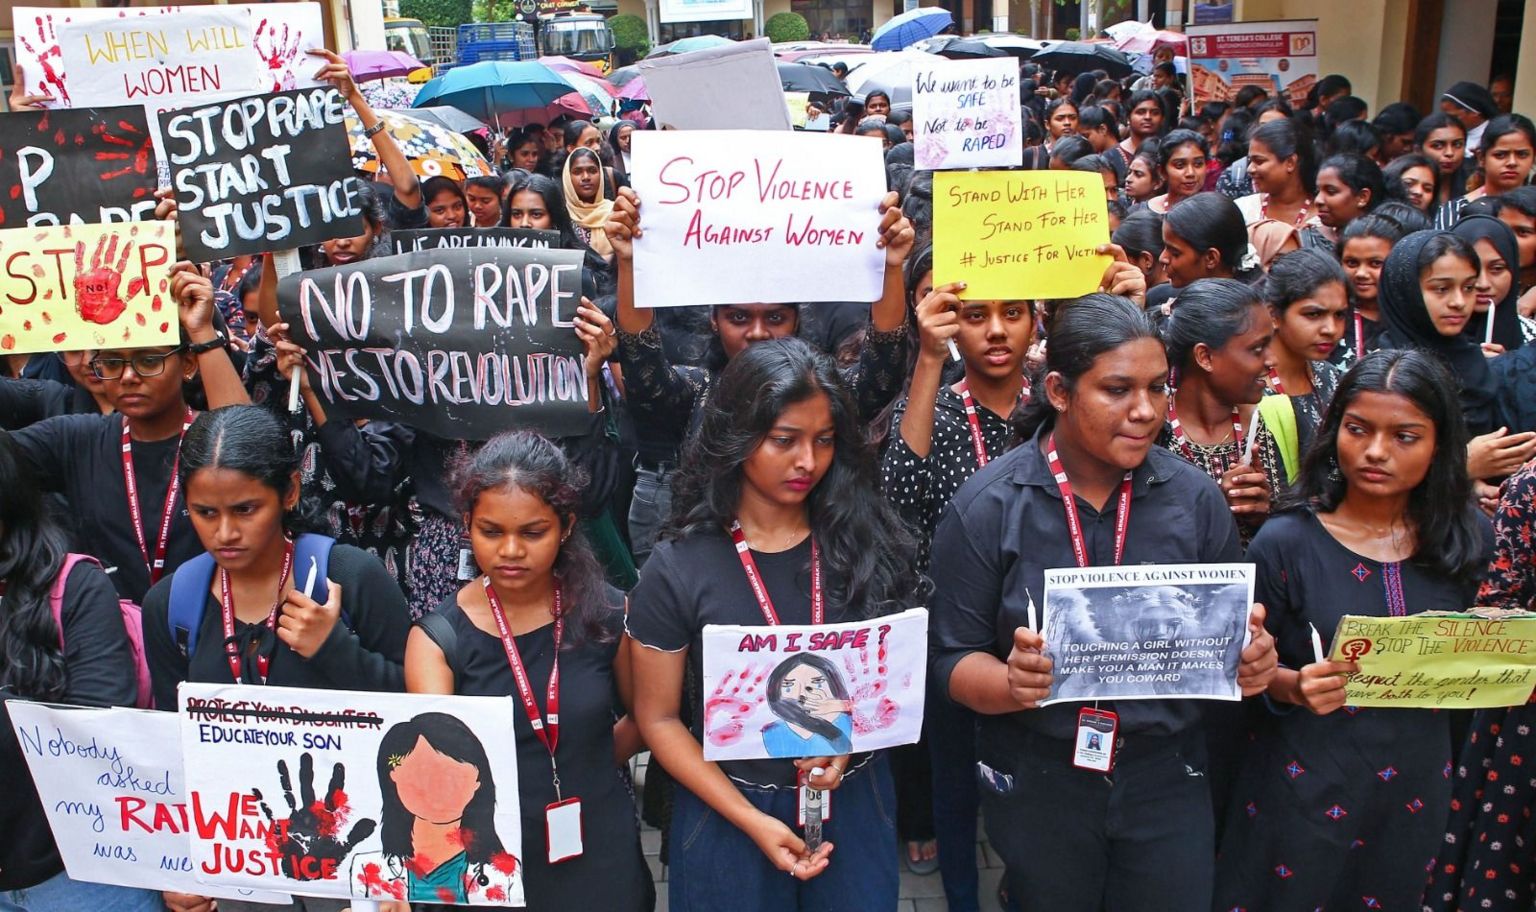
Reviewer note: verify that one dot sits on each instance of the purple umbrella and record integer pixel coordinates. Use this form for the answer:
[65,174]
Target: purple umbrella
[366,65]
[635,90]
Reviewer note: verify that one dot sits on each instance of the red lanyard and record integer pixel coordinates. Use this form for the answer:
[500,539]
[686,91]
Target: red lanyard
[1359,337]
[755,579]
[547,726]
[1275,382]
[155,563]
[1069,503]
[1182,441]
[1301,217]
[227,607]
[978,442]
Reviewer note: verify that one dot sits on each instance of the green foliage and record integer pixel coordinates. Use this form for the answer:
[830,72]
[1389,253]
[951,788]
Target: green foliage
[629,36]
[1073,34]
[446,13]
[787,27]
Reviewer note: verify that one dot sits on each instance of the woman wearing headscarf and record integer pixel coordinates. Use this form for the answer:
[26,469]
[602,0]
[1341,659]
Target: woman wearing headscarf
[1498,292]
[586,199]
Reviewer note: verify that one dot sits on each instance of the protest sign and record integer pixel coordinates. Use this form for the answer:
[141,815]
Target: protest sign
[262,173]
[111,784]
[1147,632]
[967,114]
[1438,661]
[732,87]
[414,239]
[72,287]
[736,217]
[814,691]
[1016,235]
[1278,57]
[279,35]
[86,165]
[151,60]
[459,343]
[325,792]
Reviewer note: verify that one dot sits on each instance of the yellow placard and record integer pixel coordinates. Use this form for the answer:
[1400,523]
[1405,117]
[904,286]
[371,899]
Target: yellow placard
[1019,235]
[89,286]
[1438,661]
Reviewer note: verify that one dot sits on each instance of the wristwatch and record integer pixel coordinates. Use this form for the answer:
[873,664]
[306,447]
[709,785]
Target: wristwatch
[199,348]
[375,130]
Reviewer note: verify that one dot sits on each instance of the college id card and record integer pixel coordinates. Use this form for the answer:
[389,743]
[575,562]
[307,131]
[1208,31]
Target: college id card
[809,800]
[562,824]
[468,569]
[1094,748]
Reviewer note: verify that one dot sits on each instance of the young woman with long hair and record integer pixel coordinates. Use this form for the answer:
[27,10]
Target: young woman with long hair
[1348,186]
[1143,178]
[1411,178]
[1504,161]
[1181,159]
[778,487]
[1332,809]
[541,607]
[1145,123]
[1443,140]
[446,204]
[1306,291]
[1282,163]
[1363,249]
[1203,238]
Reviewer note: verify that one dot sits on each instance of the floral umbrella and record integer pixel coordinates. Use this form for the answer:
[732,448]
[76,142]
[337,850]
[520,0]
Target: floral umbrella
[388,94]
[430,149]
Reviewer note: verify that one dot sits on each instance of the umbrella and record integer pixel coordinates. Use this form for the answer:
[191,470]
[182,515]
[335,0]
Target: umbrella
[1149,41]
[491,87]
[923,22]
[957,48]
[431,149]
[596,95]
[802,77]
[890,73]
[567,65]
[1082,56]
[384,94]
[446,117]
[366,65]
[684,45]
[623,75]
[1015,45]
[635,90]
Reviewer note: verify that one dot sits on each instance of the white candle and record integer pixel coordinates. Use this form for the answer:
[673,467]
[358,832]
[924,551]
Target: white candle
[1253,433]
[1317,644]
[309,582]
[954,353]
[293,389]
[1488,332]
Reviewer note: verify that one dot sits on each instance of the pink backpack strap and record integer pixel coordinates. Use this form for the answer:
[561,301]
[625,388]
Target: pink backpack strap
[56,594]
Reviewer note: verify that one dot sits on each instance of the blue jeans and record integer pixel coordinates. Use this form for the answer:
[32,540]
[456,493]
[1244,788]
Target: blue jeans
[951,736]
[715,866]
[649,508]
[60,894]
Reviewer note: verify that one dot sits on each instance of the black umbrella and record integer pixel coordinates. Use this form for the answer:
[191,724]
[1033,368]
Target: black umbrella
[1081,56]
[957,48]
[804,77]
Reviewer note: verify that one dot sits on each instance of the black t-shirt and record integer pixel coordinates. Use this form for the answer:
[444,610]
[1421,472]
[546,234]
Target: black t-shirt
[81,457]
[699,580]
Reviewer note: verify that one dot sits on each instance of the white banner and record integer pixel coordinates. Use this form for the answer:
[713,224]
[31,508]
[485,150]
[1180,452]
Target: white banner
[703,10]
[205,53]
[967,114]
[731,87]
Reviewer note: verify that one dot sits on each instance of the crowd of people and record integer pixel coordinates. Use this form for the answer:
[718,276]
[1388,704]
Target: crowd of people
[1310,352]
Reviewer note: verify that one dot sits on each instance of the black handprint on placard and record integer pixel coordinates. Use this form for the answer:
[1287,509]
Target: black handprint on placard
[309,841]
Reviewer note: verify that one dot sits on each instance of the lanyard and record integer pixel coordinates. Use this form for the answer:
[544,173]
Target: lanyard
[1069,503]
[155,563]
[1359,337]
[755,579]
[546,727]
[978,442]
[227,608]
[1182,441]
[1275,382]
[1301,217]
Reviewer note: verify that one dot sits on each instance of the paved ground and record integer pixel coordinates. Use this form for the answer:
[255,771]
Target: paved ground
[918,894]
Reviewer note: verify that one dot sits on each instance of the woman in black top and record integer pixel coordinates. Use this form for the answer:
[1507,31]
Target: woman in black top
[521,498]
[1345,809]
[781,466]
[87,663]
[1305,291]
[1075,840]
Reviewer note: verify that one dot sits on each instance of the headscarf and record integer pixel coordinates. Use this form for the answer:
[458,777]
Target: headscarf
[1269,236]
[1409,326]
[1506,315]
[594,215]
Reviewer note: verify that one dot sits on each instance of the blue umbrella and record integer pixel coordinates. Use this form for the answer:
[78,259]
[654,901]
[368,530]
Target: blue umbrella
[923,22]
[691,43]
[491,87]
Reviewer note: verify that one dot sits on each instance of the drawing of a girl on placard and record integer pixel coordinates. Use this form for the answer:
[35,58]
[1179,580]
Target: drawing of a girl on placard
[438,820]
[815,717]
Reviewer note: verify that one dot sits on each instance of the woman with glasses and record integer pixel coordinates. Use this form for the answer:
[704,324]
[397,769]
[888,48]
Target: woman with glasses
[24,402]
[118,471]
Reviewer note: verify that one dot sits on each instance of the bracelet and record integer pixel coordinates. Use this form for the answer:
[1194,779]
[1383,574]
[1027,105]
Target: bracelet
[375,130]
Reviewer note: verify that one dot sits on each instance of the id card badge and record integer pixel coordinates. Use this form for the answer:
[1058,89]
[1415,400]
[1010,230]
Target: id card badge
[467,568]
[807,800]
[562,824]
[1094,748]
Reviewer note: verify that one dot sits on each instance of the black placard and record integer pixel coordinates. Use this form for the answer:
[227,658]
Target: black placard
[262,173]
[76,165]
[413,239]
[459,343]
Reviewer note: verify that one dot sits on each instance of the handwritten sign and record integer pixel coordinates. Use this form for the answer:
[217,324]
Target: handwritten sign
[205,52]
[1148,632]
[967,113]
[414,239]
[1015,235]
[110,781]
[732,87]
[737,217]
[803,691]
[1430,661]
[325,792]
[262,173]
[460,343]
[85,165]
[74,287]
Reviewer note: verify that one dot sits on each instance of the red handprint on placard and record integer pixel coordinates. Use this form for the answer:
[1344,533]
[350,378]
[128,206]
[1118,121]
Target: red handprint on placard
[872,707]
[278,50]
[735,697]
[133,149]
[96,289]
[50,59]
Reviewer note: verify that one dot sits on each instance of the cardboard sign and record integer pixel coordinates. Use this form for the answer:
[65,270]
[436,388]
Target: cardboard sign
[1278,57]
[967,114]
[323,792]
[1146,633]
[412,240]
[111,784]
[1018,235]
[205,52]
[75,287]
[736,217]
[814,691]
[86,165]
[731,87]
[459,343]
[265,172]
[1438,661]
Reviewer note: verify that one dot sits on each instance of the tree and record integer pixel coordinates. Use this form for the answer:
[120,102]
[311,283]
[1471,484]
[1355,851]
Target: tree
[630,40]
[443,13]
[787,27]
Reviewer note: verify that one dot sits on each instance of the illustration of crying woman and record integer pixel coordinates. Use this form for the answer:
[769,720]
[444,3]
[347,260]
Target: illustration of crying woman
[439,830]
[815,716]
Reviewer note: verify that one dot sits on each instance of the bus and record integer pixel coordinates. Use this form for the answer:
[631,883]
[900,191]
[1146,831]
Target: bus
[578,35]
